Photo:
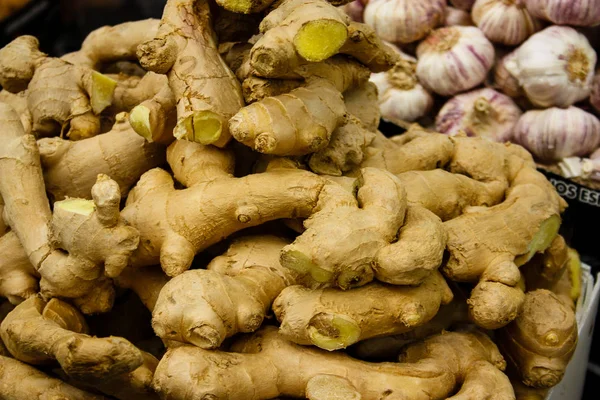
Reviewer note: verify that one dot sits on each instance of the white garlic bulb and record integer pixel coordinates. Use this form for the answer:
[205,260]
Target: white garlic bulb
[455,16]
[454,59]
[556,133]
[555,67]
[566,12]
[484,112]
[504,21]
[463,4]
[595,95]
[503,80]
[401,97]
[404,21]
[354,10]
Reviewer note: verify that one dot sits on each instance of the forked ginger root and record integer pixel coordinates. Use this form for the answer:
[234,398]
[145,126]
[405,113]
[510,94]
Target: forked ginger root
[64,340]
[233,295]
[467,364]
[542,340]
[71,168]
[333,319]
[185,49]
[84,93]
[19,381]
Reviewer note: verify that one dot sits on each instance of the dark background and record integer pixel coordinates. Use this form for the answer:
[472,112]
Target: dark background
[61,26]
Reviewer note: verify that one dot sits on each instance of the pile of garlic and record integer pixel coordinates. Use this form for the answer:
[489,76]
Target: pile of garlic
[500,69]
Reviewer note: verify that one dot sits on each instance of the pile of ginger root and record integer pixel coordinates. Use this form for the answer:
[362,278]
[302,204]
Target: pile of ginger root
[201,207]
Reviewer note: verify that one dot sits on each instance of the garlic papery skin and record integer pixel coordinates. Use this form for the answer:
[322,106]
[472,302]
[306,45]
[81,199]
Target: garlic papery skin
[454,59]
[595,95]
[484,112]
[504,81]
[401,97]
[566,12]
[556,133]
[463,4]
[504,21]
[457,17]
[555,67]
[575,167]
[404,21]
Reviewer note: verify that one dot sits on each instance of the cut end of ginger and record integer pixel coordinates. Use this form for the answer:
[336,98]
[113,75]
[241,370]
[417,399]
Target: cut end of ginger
[318,40]
[204,127]
[542,239]
[140,122]
[76,206]
[103,89]
[333,332]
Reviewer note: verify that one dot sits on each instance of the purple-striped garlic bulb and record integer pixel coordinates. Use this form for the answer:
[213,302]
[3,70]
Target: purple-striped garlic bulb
[504,21]
[355,10]
[463,4]
[454,59]
[504,81]
[457,17]
[556,133]
[595,96]
[566,12]
[484,112]
[555,67]
[404,21]
[401,96]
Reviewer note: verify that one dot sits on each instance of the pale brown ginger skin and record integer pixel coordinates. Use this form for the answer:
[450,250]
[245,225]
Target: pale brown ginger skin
[234,294]
[84,93]
[185,49]
[19,381]
[542,340]
[64,340]
[334,319]
[18,278]
[284,369]
[71,168]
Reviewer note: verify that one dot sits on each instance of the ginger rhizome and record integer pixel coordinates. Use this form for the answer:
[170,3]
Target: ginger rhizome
[542,340]
[71,168]
[334,319]
[233,295]
[185,49]
[84,93]
[18,279]
[75,246]
[444,364]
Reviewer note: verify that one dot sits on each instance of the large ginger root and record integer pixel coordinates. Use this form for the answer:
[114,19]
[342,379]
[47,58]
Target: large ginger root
[185,49]
[84,93]
[18,278]
[467,363]
[113,43]
[71,168]
[361,101]
[88,237]
[542,340]
[203,307]
[64,340]
[18,101]
[333,319]
[19,381]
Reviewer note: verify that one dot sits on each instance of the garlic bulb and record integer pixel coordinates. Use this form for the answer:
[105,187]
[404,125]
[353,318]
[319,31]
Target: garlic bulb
[566,12]
[503,80]
[482,112]
[557,133]
[463,4]
[354,10]
[454,59]
[455,16]
[504,21]
[555,67]
[595,96]
[401,97]
[404,21]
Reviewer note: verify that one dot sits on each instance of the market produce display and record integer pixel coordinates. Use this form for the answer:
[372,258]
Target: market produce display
[223,168]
